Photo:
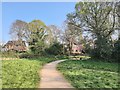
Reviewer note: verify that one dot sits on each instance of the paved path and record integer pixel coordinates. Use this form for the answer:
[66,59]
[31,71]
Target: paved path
[51,78]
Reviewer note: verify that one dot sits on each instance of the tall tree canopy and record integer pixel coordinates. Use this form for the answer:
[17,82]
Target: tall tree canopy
[38,33]
[97,18]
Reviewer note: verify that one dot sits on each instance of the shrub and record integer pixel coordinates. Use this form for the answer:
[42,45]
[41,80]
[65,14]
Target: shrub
[55,49]
[28,55]
[11,54]
[116,51]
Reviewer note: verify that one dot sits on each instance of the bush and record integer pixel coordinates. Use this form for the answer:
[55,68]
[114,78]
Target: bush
[10,54]
[103,48]
[28,55]
[55,49]
[116,51]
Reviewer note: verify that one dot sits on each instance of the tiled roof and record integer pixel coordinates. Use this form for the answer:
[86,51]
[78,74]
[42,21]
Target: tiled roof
[16,45]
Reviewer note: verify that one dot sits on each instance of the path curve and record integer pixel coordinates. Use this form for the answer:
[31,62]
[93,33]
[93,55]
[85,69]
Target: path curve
[51,78]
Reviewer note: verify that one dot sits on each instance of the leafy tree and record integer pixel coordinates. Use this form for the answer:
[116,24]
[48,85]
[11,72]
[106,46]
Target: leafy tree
[97,18]
[118,17]
[37,36]
[49,38]
[1,45]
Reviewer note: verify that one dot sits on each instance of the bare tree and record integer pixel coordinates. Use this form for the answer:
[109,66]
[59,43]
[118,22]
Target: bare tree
[18,30]
[56,32]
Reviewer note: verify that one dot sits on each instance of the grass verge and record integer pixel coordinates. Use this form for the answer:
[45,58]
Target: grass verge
[23,73]
[90,73]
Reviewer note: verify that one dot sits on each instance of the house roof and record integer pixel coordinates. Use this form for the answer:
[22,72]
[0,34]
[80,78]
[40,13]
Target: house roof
[17,45]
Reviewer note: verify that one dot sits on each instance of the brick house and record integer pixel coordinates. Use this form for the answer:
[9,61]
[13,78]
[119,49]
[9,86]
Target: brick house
[19,46]
[77,49]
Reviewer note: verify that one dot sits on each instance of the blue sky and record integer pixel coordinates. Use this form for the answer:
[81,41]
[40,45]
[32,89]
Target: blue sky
[48,12]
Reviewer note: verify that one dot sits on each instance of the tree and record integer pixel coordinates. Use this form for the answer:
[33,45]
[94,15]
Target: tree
[56,33]
[18,30]
[97,18]
[1,46]
[118,17]
[72,33]
[38,33]
[49,38]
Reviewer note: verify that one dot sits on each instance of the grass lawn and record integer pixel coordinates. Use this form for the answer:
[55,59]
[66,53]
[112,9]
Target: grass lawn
[90,73]
[22,73]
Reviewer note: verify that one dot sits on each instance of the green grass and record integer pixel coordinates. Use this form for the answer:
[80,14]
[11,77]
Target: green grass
[90,73]
[22,73]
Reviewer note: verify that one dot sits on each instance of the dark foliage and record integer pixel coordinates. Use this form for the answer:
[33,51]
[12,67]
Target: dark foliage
[28,55]
[55,49]
[10,54]
[116,51]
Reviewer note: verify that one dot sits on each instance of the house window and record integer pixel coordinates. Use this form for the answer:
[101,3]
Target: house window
[76,50]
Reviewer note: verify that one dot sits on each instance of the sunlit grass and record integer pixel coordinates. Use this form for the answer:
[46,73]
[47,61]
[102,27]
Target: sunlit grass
[90,74]
[22,73]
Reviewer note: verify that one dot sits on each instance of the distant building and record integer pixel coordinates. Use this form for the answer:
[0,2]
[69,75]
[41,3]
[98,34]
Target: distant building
[74,47]
[19,46]
[77,49]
